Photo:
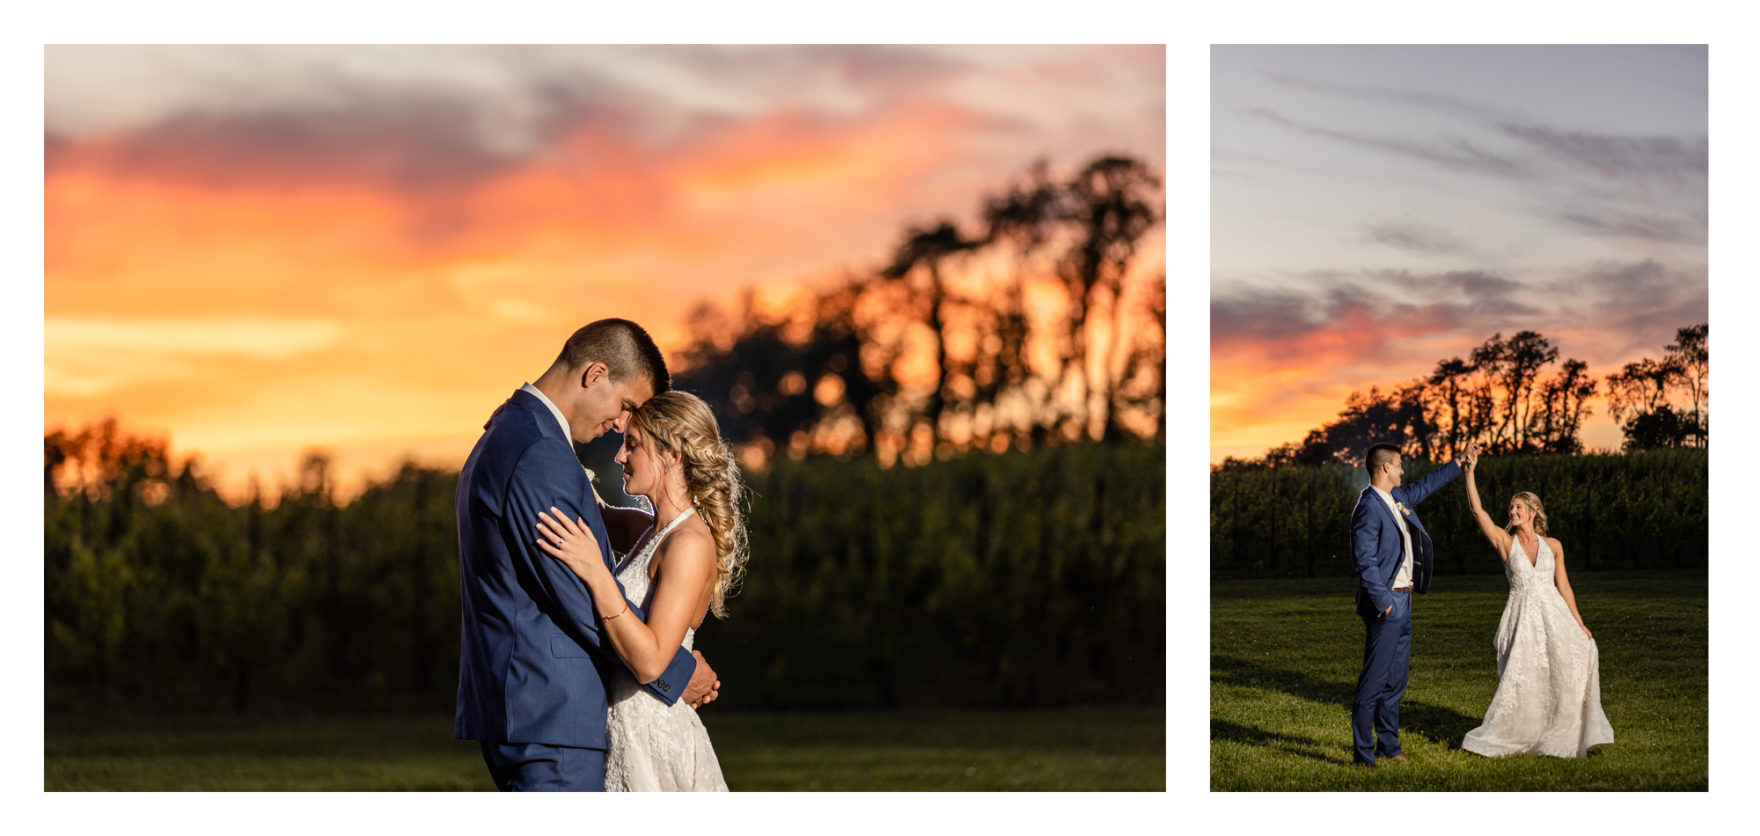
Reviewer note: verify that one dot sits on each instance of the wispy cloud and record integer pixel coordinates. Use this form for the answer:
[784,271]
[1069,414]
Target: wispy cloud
[1416,238]
[1399,96]
[1652,158]
[1635,307]
[254,337]
[1331,329]
[1367,308]
[85,356]
[1617,187]
[1627,226]
[1454,153]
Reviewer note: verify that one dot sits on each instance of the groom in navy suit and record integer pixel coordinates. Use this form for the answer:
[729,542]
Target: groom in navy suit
[1394,558]
[532,661]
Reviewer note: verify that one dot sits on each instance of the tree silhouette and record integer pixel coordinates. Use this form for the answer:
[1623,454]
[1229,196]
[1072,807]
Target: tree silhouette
[1500,399]
[1640,394]
[1448,395]
[1564,403]
[1023,219]
[1690,357]
[1524,355]
[1009,364]
[929,247]
[1109,203]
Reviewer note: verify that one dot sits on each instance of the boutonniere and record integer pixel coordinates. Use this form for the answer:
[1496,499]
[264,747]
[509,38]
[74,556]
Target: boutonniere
[1402,508]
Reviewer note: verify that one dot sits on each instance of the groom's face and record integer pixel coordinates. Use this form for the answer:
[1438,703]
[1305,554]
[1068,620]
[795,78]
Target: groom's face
[606,405]
[1397,470]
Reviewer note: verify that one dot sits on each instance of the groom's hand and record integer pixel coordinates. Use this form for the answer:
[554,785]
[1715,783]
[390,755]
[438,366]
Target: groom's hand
[703,687]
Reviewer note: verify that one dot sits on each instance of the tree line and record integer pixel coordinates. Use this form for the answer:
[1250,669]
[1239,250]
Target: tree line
[1027,578]
[1023,327]
[1510,395]
[1644,509]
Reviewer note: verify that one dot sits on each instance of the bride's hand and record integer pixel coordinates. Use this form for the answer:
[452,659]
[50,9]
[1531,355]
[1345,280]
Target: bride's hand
[1586,631]
[569,542]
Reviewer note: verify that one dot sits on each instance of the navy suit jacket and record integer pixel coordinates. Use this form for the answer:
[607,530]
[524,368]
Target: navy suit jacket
[1378,549]
[532,663]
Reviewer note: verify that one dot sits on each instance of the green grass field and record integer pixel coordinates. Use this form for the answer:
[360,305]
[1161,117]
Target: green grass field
[1075,749]
[1284,661]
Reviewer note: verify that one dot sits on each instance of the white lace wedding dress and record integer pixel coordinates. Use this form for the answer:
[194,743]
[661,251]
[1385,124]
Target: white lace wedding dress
[1548,699]
[655,746]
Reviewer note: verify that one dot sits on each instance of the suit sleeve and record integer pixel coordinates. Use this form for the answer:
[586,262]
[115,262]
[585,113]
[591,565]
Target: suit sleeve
[540,482]
[1365,538]
[1420,490]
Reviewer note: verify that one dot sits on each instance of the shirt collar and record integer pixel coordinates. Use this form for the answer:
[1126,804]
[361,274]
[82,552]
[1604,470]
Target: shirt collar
[565,431]
[1385,496]
[566,434]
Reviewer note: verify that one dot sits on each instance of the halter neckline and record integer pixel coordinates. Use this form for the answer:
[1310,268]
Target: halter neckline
[689,510]
[653,540]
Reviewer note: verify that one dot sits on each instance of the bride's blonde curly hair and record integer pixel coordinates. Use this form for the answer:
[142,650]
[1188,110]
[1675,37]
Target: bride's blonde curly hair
[680,422]
[1533,503]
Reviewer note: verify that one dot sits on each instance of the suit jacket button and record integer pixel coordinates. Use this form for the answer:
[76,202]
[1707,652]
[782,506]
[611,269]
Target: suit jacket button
[663,685]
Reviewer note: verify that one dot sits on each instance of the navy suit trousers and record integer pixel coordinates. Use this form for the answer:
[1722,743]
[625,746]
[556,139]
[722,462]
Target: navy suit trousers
[1387,655]
[537,767]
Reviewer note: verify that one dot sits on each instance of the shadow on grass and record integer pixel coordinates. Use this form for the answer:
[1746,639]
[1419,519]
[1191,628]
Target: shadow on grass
[1432,721]
[1307,747]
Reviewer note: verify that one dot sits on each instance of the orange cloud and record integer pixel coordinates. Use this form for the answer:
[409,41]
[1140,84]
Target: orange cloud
[251,311]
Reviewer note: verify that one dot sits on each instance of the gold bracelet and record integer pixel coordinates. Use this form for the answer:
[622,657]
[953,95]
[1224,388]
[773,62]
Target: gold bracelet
[619,613]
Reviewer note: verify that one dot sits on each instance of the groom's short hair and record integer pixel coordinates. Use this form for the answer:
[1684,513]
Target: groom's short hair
[625,349]
[1380,454]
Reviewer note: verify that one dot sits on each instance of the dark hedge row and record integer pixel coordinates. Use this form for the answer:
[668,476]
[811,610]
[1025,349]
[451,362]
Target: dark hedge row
[1022,579]
[1637,510]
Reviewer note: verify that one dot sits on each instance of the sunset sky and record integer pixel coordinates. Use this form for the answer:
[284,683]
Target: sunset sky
[260,250]
[1376,209]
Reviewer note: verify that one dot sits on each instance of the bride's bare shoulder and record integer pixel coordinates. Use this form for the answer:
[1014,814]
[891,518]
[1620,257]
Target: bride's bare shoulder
[692,544]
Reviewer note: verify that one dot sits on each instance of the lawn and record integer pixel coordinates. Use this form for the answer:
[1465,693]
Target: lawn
[1284,657]
[1071,749]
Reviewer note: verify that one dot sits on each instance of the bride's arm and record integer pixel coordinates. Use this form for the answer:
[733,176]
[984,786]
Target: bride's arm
[1563,583]
[687,566]
[1498,537]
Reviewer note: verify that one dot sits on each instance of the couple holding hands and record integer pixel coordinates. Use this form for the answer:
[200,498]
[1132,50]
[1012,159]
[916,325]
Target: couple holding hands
[1548,699]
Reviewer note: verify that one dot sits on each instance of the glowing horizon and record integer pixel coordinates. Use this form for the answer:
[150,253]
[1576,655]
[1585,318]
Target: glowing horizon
[265,250]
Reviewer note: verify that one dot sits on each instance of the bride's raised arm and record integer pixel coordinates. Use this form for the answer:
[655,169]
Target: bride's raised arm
[1498,537]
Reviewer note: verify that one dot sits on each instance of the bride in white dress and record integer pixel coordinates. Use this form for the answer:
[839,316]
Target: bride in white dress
[686,562]
[1548,699]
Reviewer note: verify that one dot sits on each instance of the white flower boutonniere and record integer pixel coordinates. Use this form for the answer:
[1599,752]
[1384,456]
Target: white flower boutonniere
[1403,509]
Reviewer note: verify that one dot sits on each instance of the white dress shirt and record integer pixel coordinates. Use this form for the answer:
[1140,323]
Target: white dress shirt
[552,407]
[566,432]
[1403,578]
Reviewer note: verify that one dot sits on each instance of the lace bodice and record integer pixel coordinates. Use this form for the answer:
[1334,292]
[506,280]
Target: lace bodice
[632,571]
[1526,577]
